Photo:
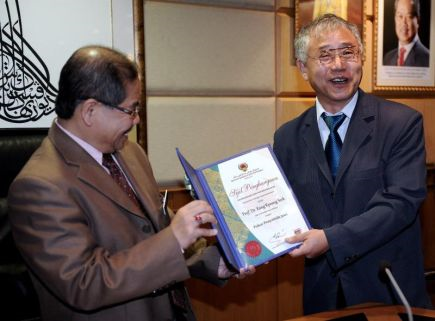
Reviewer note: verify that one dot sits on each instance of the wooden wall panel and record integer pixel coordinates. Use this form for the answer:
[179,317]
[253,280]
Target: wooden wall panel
[245,4]
[289,282]
[205,129]
[289,79]
[289,108]
[428,221]
[367,79]
[253,298]
[195,50]
[274,293]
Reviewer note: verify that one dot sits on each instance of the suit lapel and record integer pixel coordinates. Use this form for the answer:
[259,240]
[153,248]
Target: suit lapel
[360,127]
[103,182]
[311,136]
[89,171]
[146,190]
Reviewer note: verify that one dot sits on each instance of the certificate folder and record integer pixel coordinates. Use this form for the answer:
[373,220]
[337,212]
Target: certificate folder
[254,205]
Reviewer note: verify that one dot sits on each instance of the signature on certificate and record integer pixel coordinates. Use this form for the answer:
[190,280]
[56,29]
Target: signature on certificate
[279,236]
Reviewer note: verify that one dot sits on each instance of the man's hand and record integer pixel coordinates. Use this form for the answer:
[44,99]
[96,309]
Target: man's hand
[225,273]
[187,223]
[314,243]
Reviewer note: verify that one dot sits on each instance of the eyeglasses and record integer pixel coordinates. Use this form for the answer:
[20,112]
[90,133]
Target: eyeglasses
[346,54]
[131,112]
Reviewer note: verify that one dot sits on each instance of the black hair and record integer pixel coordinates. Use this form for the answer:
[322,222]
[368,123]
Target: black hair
[93,72]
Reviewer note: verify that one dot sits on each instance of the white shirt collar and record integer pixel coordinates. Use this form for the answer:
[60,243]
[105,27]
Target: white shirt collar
[91,150]
[347,110]
[409,46]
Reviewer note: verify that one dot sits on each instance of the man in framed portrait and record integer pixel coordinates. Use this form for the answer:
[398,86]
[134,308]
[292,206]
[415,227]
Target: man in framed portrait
[410,51]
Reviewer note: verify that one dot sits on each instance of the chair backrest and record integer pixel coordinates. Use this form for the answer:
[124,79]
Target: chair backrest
[16,147]
[18,297]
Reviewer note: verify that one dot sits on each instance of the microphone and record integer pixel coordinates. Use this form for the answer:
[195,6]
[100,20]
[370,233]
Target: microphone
[385,267]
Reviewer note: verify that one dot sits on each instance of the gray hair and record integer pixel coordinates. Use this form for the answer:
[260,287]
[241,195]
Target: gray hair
[318,26]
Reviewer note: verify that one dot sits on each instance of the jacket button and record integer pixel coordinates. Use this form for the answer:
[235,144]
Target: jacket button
[146,228]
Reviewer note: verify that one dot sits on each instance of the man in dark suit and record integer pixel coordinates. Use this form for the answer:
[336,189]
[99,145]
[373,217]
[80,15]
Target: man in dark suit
[86,213]
[410,51]
[360,184]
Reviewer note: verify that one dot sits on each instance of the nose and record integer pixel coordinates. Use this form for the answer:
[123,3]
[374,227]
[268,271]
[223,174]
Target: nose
[337,62]
[136,119]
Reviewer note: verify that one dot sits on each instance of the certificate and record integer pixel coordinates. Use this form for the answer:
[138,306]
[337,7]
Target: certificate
[254,205]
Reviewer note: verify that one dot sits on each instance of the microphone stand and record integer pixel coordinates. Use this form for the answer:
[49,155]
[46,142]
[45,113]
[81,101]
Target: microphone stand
[400,293]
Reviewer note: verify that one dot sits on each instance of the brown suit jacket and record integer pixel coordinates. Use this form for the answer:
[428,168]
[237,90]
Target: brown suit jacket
[93,255]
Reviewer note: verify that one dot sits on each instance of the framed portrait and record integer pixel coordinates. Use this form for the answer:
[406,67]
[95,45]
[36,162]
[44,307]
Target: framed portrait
[404,46]
[350,10]
[36,39]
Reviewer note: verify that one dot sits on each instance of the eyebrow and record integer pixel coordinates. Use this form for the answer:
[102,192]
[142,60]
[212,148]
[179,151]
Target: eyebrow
[342,45]
[405,13]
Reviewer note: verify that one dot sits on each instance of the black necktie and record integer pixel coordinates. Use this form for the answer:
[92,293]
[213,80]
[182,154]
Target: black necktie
[119,177]
[334,143]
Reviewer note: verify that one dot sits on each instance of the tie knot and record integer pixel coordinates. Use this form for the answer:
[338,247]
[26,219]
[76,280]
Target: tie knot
[333,122]
[118,176]
[107,159]
[402,50]
[111,165]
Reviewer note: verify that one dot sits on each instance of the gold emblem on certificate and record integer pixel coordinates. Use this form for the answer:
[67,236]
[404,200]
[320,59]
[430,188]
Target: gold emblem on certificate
[243,167]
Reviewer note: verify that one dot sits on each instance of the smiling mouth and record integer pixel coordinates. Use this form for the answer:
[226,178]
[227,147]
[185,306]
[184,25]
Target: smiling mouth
[339,80]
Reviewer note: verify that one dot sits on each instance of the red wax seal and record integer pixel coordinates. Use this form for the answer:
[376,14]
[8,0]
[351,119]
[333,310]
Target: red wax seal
[253,248]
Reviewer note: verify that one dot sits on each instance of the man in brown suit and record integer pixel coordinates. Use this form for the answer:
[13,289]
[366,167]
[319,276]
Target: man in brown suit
[96,251]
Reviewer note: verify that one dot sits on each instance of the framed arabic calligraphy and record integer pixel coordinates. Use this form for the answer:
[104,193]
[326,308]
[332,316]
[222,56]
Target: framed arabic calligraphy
[36,39]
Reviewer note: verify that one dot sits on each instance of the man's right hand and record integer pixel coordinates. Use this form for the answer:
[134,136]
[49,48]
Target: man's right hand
[314,244]
[187,223]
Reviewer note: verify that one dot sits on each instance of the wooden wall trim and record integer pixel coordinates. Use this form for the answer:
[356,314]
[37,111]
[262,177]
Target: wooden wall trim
[139,51]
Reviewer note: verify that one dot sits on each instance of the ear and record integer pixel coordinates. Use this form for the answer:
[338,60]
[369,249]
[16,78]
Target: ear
[88,111]
[302,68]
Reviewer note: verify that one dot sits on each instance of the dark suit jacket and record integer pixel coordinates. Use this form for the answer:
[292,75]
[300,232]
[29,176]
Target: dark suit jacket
[417,57]
[92,253]
[370,214]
